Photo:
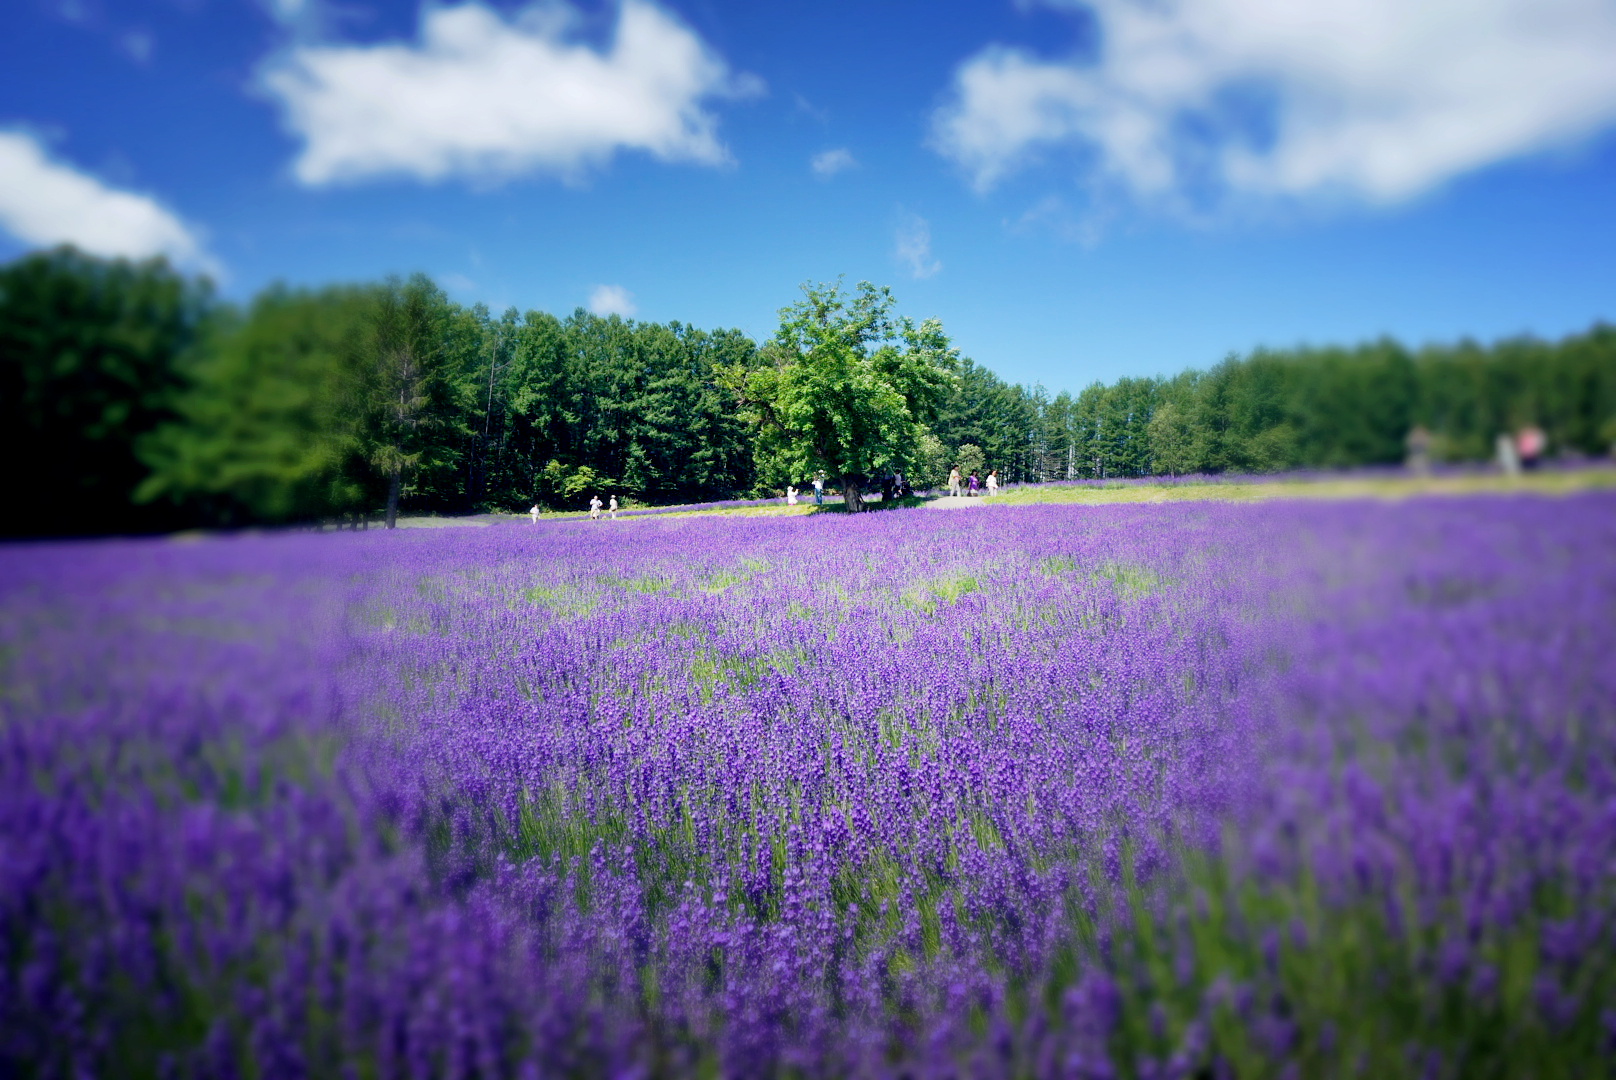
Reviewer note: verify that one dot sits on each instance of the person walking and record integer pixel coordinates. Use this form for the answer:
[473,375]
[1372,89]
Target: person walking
[954,482]
[594,508]
[819,490]
[1529,444]
[993,482]
[974,483]
[612,508]
[1508,459]
[534,513]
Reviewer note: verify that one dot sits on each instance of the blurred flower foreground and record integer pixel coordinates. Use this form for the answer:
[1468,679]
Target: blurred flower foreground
[1131,791]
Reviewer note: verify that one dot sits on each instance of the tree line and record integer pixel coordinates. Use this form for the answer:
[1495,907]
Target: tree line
[132,398]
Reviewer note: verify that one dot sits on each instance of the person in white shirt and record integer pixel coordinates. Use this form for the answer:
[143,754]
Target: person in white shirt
[993,482]
[534,513]
[819,491]
[613,508]
[594,508]
[791,495]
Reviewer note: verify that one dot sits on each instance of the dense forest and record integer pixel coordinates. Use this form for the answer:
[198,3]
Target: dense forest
[132,398]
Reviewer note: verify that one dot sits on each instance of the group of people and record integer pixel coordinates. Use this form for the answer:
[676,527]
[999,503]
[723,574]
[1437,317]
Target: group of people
[896,486]
[595,506]
[971,485]
[893,486]
[1524,449]
[819,492]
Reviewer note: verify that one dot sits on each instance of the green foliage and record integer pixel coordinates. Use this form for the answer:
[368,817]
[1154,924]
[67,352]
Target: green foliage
[640,405]
[300,409]
[970,459]
[90,363]
[411,400]
[1172,440]
[985,411]
[1333,408]
[929,466]
[928,596]
[138,402]
[849,389]
[568,483]
[269,428]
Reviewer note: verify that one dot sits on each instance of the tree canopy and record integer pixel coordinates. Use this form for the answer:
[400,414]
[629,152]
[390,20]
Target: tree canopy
[846,388]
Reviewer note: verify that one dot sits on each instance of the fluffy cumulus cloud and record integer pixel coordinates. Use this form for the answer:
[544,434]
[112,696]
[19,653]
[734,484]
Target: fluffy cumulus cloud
[913,247]
[831,162]
[47,202]
[1376,100]
[485,97]
[612,300]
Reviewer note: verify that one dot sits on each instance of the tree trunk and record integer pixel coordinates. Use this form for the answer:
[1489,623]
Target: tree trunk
[852,497]
[395,481]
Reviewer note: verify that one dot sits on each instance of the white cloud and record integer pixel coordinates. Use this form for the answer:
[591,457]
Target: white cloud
[612,300]
[486,98]
[831,162]
[1373,99]
[913,247]
[46,202]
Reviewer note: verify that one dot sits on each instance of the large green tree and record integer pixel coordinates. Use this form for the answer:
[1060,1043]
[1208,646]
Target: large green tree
[846,388]
[413,412]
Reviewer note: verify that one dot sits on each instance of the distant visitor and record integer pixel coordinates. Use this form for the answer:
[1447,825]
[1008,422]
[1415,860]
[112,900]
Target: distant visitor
[1418,444]
[1530,442]
[1508,459]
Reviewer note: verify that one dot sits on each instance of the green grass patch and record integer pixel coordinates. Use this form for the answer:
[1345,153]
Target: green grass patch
[1129,579]
[1251,489]
[929,596]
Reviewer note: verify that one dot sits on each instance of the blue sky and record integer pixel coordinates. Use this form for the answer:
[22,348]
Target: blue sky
[1079,191]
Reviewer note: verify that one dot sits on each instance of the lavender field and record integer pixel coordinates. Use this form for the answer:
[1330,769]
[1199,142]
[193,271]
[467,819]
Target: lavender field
[1285,789]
